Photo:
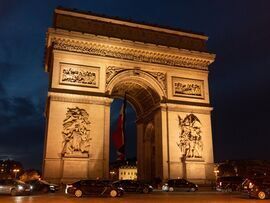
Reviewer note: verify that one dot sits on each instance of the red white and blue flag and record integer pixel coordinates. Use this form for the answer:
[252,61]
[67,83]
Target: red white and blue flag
[118,135]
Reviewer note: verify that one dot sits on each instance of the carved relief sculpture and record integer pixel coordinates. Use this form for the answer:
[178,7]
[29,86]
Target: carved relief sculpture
[111,71]
[161,78]
[76,133]
[79,75]
[190,138]
[187,88]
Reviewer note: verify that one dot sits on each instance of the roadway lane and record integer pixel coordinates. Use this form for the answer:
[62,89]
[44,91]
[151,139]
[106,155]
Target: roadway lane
[155,197]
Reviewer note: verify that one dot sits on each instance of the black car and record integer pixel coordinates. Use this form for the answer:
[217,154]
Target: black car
[93,187]
[257,187]
[179,185]
[14,187]
[229,183]
[134,186]
[43,186]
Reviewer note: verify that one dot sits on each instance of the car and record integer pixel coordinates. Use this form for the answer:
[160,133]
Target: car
[179,184]
[14,187]
[229,183]
[134,186]
[93,187]
[42,186]
[258,187]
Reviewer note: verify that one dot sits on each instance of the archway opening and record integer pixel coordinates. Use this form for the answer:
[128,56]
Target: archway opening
[131,132]
[143,122]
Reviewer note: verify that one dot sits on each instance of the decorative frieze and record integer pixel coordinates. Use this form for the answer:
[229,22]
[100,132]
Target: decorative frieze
[130,53]
[112,71]
[184,87]
[72,74]
[190,137]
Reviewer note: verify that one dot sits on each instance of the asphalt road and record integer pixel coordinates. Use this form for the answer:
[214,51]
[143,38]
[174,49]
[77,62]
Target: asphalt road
[157,197]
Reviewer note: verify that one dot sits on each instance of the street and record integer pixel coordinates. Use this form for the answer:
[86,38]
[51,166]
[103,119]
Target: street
[204,197]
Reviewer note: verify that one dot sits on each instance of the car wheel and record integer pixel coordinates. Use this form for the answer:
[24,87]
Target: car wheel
[192,189]
[229,190]
[261,195]
[171,189]
[145,190]
[113,193]
[78,193]
[13,192]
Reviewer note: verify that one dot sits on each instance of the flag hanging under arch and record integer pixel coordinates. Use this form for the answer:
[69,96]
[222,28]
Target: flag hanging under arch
[118,135]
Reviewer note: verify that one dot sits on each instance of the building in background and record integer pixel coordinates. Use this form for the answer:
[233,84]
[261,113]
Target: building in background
[128,172]
[10,169]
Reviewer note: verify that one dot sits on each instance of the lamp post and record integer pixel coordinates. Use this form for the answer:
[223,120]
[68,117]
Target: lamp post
[16,171]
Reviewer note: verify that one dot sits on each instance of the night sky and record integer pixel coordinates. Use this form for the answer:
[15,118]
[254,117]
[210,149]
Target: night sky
[239,34]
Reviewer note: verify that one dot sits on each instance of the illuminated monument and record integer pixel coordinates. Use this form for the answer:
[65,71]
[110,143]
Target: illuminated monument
[91,60]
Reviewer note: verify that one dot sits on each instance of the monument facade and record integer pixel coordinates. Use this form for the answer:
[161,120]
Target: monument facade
[93,59]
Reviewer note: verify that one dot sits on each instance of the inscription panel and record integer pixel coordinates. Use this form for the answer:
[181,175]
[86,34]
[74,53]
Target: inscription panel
[183,87]
[79,75]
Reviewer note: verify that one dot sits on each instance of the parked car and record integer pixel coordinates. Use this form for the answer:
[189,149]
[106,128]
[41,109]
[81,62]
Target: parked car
[43,186]
[133,186]
[229,183]
[258,187]
[179,185]
[14,187]
[93,187]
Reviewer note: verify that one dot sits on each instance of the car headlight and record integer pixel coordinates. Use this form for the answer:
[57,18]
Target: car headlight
[251,185]
[51,186]
[31,187]
[196,185]
[20,187]
[150,186]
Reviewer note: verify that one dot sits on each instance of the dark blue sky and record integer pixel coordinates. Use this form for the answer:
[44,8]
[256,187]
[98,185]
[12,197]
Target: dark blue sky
[239,33]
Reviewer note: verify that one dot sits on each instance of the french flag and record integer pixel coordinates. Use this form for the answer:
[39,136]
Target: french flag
[118,135]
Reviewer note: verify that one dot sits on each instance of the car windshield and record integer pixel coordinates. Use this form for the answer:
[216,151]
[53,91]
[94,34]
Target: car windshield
[20,182]
[45,182]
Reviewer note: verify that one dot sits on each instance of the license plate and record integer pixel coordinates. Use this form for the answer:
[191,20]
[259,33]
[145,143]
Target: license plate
[27,190]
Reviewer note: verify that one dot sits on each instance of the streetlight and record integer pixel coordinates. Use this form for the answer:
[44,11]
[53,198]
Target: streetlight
[16,171]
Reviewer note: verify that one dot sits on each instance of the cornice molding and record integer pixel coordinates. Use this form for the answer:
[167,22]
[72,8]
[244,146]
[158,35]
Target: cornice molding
[79,99]
[189,59]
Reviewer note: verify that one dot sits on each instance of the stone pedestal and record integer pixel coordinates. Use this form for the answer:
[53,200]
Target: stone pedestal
[194,170]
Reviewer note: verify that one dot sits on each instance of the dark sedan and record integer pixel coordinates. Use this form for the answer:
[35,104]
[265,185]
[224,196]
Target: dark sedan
[134,186]
[179,185]
[93,187]
[258,187]
[43,186]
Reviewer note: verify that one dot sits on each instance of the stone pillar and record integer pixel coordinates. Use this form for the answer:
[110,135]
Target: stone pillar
[190,143]
[165,143]
[77,140]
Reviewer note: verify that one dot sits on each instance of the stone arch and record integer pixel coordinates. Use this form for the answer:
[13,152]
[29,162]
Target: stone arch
[144,93]
[149,86]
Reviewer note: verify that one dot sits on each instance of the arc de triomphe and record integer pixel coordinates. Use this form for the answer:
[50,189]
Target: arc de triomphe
[93,59]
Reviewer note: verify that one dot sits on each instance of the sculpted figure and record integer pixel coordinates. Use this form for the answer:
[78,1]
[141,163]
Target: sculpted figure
[76,132]
[190,142]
